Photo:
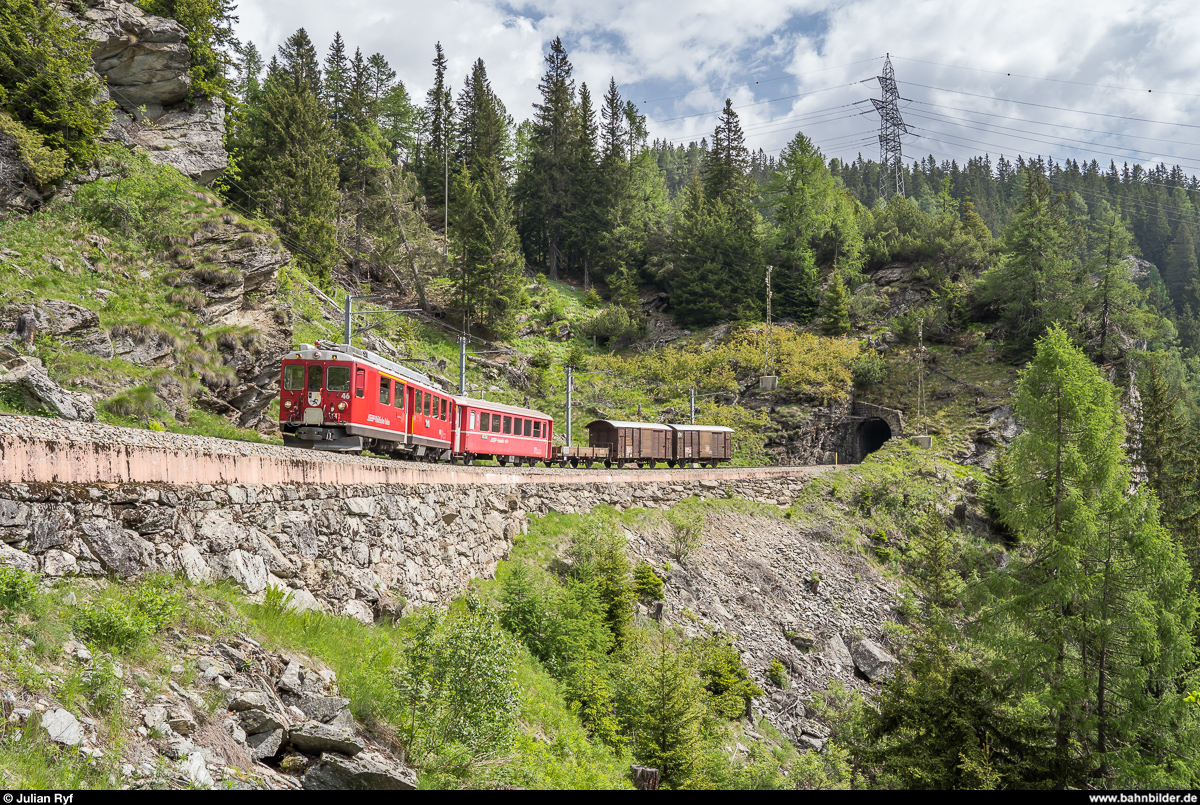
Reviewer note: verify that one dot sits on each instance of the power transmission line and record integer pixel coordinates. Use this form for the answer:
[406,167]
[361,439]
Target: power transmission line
[783,77]
[1043,78]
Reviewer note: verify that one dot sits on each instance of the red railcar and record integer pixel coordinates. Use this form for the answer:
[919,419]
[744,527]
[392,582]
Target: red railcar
[345,399]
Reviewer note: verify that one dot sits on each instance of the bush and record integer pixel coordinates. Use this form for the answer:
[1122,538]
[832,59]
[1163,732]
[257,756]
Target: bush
[457,685]
[140,403]
[932,320]
[17,587]
[726,677]
[869,369]
[591,298]
[687,526]
[646,582]
[777,673]
[142,201]
[617,324]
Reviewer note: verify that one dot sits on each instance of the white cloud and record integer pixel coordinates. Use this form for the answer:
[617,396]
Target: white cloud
[710,49]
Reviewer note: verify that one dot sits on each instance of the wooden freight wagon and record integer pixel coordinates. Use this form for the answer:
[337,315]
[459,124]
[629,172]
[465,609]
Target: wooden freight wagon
[700,444]
[640,443]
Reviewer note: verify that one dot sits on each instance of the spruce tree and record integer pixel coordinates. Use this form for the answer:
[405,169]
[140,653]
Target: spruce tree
[836,313]
[337,78]
[1117,305]
[1092,631]
[1180,268]
[483,122]
[545,188]
[290,150]
[439,137]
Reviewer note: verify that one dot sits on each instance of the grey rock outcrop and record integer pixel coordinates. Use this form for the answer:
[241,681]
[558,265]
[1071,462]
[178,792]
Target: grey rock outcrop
[142,58]
[312,737]
[367,771]
[145,63]
[27,377]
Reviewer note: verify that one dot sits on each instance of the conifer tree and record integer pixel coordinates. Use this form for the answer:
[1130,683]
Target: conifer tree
[836,313]
[439,139]
[337,78]
[1037,284]
[1180,267]
[483,122]
[290,171]
[1094,629]
[546,185]
[1117,304]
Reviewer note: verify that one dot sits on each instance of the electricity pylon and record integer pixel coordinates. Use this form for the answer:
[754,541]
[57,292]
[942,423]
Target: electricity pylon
[891,126]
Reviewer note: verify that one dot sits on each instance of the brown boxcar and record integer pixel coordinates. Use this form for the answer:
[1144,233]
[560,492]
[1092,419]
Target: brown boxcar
[700,444]
[641,443]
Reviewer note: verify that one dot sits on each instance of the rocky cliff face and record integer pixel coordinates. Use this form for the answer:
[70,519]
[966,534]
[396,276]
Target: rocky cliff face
[145,62]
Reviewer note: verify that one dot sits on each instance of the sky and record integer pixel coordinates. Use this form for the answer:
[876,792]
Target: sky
[1107,81]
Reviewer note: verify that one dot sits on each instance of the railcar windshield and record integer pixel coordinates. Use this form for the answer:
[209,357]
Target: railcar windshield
[316,377]
[293,377]
[339,378]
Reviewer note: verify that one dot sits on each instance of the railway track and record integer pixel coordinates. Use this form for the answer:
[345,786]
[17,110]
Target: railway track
[36,450]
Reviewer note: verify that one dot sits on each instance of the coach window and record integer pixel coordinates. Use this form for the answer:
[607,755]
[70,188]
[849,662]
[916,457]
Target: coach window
[537,430]
[385,390]
[472,421]
[508,424]
[428,396]
[445,409]
[495,423]
[485,421]
[399,395]
[360,383]
[528,427]
[315,377]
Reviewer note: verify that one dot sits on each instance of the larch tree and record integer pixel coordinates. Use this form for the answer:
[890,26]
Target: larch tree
[1093,631]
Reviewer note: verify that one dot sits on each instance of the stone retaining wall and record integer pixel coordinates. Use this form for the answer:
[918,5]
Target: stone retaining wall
[347,549]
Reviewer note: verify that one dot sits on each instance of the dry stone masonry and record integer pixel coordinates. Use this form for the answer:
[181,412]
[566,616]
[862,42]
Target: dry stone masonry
[353,550]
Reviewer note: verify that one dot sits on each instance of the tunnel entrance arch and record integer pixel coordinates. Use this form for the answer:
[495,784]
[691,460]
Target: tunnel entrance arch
[872,433]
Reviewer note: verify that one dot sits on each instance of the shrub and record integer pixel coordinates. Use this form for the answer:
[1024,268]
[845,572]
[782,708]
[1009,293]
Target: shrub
[591,298]
[615,324]
[931,320]
[869,369]
[141,201]
[777,673]
[646,582]
[46,165]
[17,587]
[457,683]
[687,526]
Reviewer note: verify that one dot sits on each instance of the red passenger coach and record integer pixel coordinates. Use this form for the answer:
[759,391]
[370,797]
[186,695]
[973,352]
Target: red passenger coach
[341,398]
[505,432]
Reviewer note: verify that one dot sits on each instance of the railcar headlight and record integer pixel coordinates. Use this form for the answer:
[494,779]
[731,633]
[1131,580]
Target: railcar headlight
[287,404]
[342,405]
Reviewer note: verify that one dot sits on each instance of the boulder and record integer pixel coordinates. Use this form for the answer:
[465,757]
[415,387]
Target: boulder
[193,564]
[265,745]
[196,771]
[62,727]
[367,771]
[359,610]
[256,721]
[313,737]
[319,708]
[119,551]
[250,700]
[835,650]
[873,661]
[39,392]
[302,601]
[291,681]
[56,563]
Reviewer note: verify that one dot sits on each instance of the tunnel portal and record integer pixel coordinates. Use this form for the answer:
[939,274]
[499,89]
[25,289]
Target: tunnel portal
[871,435]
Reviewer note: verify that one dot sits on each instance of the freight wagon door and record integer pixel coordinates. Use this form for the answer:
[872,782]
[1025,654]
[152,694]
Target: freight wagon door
[706,449]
